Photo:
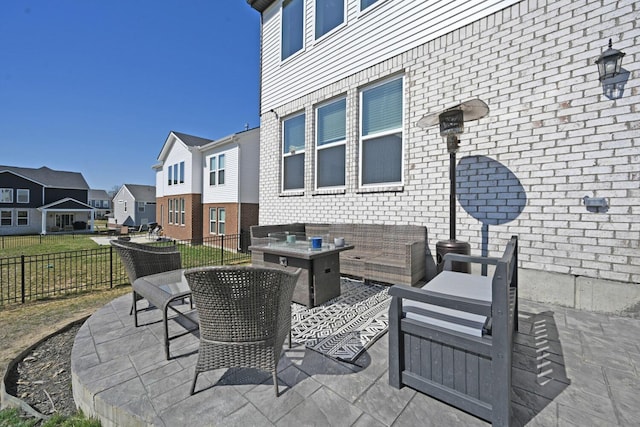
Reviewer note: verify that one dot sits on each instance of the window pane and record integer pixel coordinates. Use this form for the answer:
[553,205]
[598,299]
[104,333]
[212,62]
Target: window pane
[292,27]
[382,159]
[294,134]
[382,108]
[331,166]
[175,173]
[23,196]
[332,122]
[294,172]
[23,218]
[5,217]
[170,175]
[6,195]
[221,161]
[329,14]
[221,221]
[366,3]
[221,177]
[181,172]
[221,169]
[212,220]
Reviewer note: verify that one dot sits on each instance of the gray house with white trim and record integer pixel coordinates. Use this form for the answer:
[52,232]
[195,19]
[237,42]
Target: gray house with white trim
[134,205]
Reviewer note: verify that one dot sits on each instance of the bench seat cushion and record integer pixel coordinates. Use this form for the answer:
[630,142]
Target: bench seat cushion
[454,284]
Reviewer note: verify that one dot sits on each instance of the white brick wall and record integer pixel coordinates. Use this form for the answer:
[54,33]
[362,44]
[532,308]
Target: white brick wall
[550,132]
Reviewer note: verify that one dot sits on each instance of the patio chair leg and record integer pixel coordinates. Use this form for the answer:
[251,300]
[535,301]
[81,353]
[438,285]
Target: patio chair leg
[275,383]
[193,384]
[289,338]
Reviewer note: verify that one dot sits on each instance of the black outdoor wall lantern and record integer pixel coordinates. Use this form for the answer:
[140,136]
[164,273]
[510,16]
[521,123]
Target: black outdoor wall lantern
[609,62]
[451,121]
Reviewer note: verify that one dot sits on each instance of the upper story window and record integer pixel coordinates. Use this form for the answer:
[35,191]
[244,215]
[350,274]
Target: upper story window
[217,170]
[293,153]
[329,14]
[381,133]
[331,126]
[366,3]
[292,27]
[181,172]
[170,175]
[22,195]
[6,195]
[141,206]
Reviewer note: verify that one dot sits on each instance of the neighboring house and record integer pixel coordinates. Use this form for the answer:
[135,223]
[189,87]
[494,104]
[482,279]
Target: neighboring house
[38,201]
[134,205]
[344,84]
[101,202]
[207,187]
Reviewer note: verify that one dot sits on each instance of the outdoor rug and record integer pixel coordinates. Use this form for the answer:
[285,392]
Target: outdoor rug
[344,327]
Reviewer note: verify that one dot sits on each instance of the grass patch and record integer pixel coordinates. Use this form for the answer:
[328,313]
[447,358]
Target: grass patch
[11,417]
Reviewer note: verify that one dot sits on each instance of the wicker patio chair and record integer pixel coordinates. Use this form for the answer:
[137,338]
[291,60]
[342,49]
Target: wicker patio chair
[245,316]
[143,260]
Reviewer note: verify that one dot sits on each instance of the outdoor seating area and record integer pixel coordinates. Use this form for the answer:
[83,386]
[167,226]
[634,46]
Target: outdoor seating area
[393,254]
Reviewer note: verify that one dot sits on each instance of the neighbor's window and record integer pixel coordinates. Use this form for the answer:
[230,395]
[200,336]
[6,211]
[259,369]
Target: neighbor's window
[221,168]
[366,3]
[381,133]
[330,144]
[6,195]
[292,27]
[105,203]
[23,217]
[141,206]
[175,174]
[125,205]
[181,172]
[22,195]
[170,175]
[5,217]
[293,153]
[213,216]
[221,221]
[182,212]
[329,14]
[170,211]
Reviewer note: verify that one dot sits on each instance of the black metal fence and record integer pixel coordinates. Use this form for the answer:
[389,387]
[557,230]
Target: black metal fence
[29,277]
[10,242]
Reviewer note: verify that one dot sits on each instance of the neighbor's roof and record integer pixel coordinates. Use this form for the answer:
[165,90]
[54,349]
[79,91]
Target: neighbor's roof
[190,140]
[260,5]
[98,195]
[142,193]
[49,177]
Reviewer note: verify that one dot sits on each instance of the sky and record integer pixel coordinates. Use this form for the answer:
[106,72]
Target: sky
[95,86]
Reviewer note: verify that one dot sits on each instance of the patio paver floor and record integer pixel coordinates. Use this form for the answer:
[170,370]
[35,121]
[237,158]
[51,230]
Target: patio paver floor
[570,368]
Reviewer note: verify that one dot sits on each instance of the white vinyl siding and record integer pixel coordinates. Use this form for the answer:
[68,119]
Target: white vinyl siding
[387,30]
[330,144]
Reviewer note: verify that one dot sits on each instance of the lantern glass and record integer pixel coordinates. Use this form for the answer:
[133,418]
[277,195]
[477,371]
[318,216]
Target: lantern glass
[451,122]
[609,63]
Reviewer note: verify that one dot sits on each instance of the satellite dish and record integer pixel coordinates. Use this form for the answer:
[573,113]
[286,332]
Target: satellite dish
[472,109]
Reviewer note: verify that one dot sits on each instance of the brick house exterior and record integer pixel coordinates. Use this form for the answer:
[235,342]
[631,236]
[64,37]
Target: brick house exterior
[553,134]
[207,187]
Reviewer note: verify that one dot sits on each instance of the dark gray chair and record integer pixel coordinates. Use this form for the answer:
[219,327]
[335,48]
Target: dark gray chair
[141,260]
[245,316]
[453,339]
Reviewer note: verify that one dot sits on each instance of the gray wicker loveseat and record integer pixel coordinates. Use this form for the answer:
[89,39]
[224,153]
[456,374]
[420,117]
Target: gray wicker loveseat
[394,254]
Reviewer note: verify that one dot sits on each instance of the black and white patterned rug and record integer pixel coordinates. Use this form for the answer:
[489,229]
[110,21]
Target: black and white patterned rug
[344,327]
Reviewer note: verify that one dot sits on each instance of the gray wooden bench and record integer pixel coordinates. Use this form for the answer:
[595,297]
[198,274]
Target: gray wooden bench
[452,339]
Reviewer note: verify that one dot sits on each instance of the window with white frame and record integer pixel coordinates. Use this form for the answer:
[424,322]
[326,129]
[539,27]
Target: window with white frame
[217,170]
[329,14]
[222,215]
[181,172]
[141,206]
[105,203]
[175,174]
[366,3]
[170,175]
[6,218]
[293,153]
[170,211]
[213,220]
[183,215]
[292,31]
[331,123]
[22,195]
[6,195]
[381,133]
[22,217]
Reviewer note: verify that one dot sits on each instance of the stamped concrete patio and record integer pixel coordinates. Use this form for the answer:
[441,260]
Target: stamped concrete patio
[570,368]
